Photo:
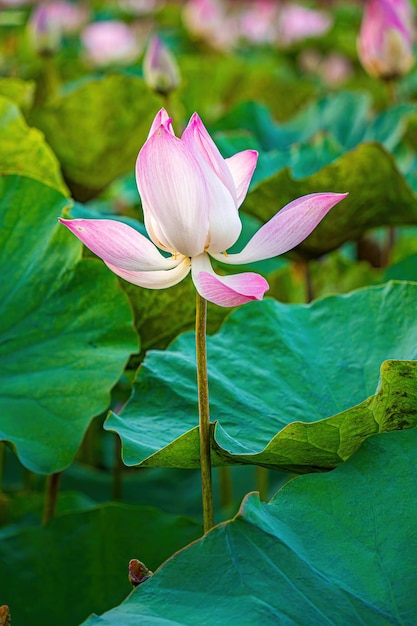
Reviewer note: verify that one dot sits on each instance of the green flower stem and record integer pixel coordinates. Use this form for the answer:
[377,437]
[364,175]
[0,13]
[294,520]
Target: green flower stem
[203,411]
[1,466]
[262,482]
[117,477]
[51,497]
[226,487]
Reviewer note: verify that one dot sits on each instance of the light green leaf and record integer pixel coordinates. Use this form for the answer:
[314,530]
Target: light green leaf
[97,127]
[24,151]
[65,331]
[330,549]
[276,372]
[19,91]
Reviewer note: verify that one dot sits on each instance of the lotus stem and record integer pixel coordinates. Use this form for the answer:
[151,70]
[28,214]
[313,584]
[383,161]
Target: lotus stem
[262,482]
[204,412]
[226,487]
[117,474]
[51,497]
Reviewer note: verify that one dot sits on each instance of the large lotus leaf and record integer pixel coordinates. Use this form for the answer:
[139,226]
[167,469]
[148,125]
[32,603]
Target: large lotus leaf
[403,270]
[337,548]
[345,116]
[79,562]
[65,331]
[24,151]
[97,127]
[277,368]
[378,196]
[234,79]
[19,91]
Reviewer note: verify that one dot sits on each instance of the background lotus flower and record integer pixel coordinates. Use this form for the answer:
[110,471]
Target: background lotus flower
[190,196]
[385,42]
[110,41]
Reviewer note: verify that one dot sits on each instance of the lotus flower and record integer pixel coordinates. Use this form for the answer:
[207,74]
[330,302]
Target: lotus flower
[190,197]
[385,42]
[110,41]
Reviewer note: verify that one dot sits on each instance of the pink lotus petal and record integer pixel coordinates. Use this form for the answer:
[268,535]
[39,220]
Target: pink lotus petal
[174,192]
[286,229]
[161,118]
[241,166]
[226,291]
[119,245]
[224,222]
[155,279]
[196,137]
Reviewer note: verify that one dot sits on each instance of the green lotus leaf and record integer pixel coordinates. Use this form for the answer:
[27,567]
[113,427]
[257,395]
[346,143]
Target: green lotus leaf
[79,562]
[19,91]
[337,548]
[96,128]
[378,196]
[294,387]
[65,332]
[24,151]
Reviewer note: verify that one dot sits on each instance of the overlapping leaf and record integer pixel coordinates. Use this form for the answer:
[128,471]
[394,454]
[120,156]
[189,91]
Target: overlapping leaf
[328,549]
[65,332]
[334,145]
[24,151]
[97,127]
[285,382]
[79,563]
[378,196]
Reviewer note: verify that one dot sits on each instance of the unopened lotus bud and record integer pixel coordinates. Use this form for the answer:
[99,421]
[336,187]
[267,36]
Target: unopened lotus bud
[160,69]
[44,32]
[385,43]
[138,572]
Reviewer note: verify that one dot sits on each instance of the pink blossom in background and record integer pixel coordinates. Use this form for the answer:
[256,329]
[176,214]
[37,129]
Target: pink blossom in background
[110,41]
[48,21]
[70,17]
[190,198]
[297,22]
[385,41]
[334,68]
[224,23]
[258,21]
[208,20]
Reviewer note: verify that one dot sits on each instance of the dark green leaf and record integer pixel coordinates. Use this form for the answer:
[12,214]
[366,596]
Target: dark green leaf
[79,562]
[65,332]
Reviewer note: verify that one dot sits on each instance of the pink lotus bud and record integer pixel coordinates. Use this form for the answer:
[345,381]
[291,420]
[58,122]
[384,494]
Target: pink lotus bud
[160,69]
[45,33]
[385,43]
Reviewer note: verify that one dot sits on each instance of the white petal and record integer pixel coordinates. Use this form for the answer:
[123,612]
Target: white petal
[155,279]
